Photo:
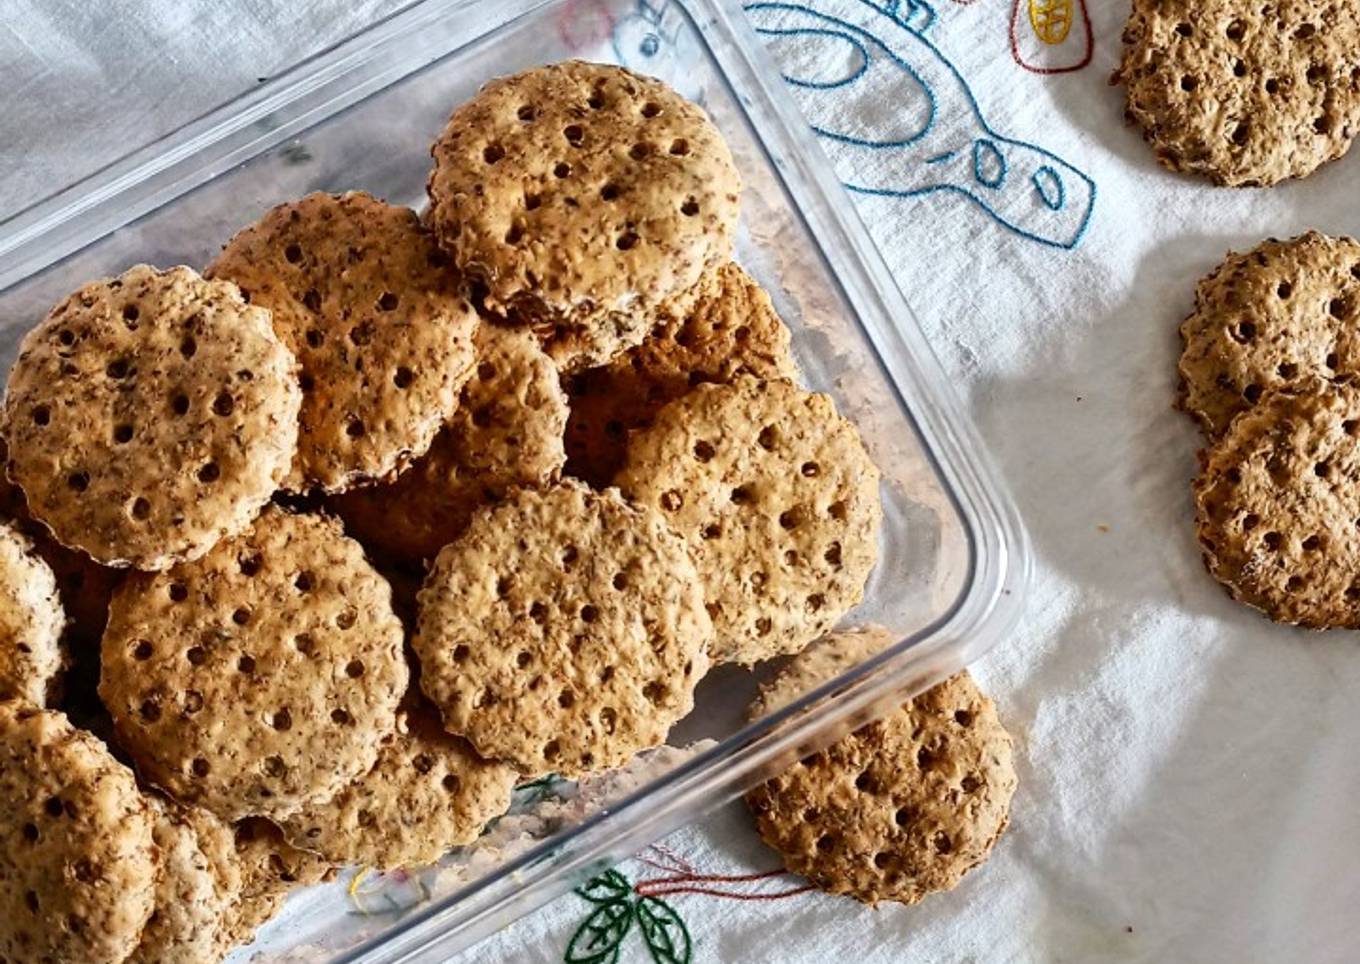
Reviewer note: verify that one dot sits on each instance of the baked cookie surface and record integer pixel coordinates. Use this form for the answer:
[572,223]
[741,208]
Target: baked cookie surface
[31,622]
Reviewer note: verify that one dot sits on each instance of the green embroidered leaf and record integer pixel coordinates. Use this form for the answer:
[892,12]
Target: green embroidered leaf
[665,932]
[606,888]
[597,940]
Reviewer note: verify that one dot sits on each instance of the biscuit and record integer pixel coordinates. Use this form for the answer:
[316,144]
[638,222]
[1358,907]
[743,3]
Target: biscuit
[260,678]
[1244,95]
[78,866]
[150,416]
[31,621]
[1277,502]
[369,304]
[1274,317]
[582,196]
[427,793]
[191,902]
[778,500]
[271,869]
[730,329]
[506,432]
[902,807]
[821,662]
[563,632]
[84,586]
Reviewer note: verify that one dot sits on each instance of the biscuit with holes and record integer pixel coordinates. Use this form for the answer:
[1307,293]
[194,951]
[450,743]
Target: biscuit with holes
[778,500]
[83,584]
[150,416]
[78,864]
[271,869]
[31,622]
[427,793]
[506,432]
[900,808]
[1274,317]
[583,196]
[1278,505]
[730,329]
[192,904]
[1246,96]
[369,304]
[260,678]
[564,631]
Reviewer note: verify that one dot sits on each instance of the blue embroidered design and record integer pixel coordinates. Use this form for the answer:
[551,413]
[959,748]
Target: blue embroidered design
[919,103]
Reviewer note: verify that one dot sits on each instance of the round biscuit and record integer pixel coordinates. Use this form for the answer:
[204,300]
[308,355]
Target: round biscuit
[582,196]
[506,432]
[1278,504]
[271,868]
[186,926]
[900,808]
[1244,95]
[428,792]
[78,865]
[151,415]
[1274,317]
[260,678]
[363,296]
[563,632]
[779,503]
[31,622]
[729,329]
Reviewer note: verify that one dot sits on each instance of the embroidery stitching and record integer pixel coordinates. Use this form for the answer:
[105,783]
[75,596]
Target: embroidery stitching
[1050,23]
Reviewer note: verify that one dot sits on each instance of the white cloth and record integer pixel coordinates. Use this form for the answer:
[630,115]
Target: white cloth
[1186,767]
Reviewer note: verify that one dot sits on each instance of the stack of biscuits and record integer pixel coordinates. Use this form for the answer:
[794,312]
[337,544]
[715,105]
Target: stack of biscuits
[556,403]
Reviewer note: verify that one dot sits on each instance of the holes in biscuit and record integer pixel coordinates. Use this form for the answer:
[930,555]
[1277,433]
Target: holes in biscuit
[595,101]
[1236,30]
[209,472]
[1184,29]
[569,556]
[943,843]
[282,720]
[188,347]
[245,664]
[1189,83]
[346,619]
[1250,521]
[178,592]
[589,613]
[526,113]
[1283,290]
[538,613]
[515,234]
[523,659]
[31,832]
[1322,469]
[655,692]
[551,750]
[703,451]
[179,404]
[768,438]
[1239,68]
[250,565]
[814,603]
[142,650]
[492,153]
[764,626]
[791,518]
[562,170]
[1241,133]
[1252,393]
[640,151]
[131,312]
[340,717]
[810,470]
[609,192]
[1340,308]
[826,842]
[1287,370]
[41,415]
[671,500]
[1312,544]
[1323,125]
[1295,584]
[574,134]
[354,428]
[193,702]
[200,767]
[116,369]
[354,669]
[403,377]
[31,901]
[241,616]
[311,300]
[679,147]
[743,495]
[1351,427]
[1272,86]
[1332,361]
[292,253]
[80,481]
[712,531]
[150,710]
[608,719]
[606,674]
[651,109]
[1272,541]
[140,509]
[276,768]
[690,207]
[566,699]
[388,301]
[1305,31]
[1316,73]
[626,241]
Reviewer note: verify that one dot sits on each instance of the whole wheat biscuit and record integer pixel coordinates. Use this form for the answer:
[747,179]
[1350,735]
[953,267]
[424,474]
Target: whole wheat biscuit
[507,431]
[78,866]
[369,304]
[1274,317]
[428,792]
[1244,95]
[187,926]
[564,631]
[901,808]
[821,662]
[583,196]
[150,416]
[778,501]
[31,621]
[83,584]
[260,678]
[1277,502]
[730,329]
[271,868]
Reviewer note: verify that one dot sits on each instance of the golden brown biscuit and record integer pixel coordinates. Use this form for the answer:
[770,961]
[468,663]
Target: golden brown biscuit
[31,622]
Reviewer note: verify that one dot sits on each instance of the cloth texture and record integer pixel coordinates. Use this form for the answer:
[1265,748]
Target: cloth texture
[1185,766]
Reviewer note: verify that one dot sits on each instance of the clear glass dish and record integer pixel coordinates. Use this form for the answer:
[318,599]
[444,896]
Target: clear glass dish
[954,560]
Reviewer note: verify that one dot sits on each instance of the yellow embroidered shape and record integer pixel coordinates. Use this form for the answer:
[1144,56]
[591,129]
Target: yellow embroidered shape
[1051,20]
